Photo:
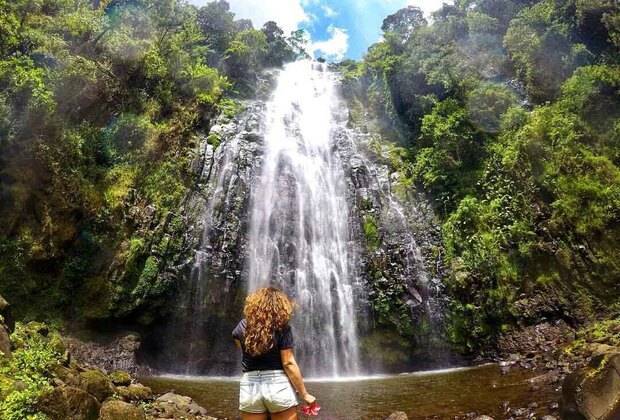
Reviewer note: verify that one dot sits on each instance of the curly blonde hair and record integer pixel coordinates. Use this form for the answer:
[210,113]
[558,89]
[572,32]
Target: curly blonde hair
[266,311]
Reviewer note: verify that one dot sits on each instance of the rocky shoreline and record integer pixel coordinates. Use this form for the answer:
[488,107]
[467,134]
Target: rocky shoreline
[77,380]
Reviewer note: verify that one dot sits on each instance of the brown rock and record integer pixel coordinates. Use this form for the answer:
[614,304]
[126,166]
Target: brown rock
[69,376]
[96,383]
[120,378]
[7,316]
[119,410]
[112,355]
[135,392]
[5,342]
[175,406]
[593,392]
[69,403]
[397,415]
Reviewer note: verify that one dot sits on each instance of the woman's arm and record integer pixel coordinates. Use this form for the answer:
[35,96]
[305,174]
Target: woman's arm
[294,374]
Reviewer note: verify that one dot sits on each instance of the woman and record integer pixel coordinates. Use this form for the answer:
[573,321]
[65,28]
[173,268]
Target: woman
[269,367]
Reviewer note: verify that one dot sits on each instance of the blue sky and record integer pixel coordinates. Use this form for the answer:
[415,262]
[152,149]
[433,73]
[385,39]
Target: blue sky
[337,28]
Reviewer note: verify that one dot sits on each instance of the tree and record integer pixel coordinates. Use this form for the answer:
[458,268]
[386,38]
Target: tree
[278,49]
[404,22]
[216,21]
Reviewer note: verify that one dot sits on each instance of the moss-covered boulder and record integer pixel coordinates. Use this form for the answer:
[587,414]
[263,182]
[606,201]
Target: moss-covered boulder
[69,403]
[68,375]
[593,392]
[117,410]
[120,378]
[96,383]
[134,392]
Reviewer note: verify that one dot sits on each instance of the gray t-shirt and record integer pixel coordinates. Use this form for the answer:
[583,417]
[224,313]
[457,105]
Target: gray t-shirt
[270,360]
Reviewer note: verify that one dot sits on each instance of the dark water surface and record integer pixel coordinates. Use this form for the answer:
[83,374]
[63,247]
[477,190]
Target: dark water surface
[443,393]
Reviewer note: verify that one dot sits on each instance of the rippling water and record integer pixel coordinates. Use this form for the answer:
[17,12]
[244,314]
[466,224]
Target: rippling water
[440,394]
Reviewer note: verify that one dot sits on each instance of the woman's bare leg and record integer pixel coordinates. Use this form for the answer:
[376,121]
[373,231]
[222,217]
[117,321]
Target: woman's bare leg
[290,414]
[254,416]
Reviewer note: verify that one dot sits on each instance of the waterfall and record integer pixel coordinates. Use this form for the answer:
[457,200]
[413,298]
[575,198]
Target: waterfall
[299,235]
[281,201]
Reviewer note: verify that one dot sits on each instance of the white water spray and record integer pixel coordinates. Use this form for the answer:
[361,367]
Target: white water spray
[299,231]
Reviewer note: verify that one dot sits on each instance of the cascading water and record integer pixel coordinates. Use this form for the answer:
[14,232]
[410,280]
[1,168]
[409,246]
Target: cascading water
[299,234]
[283,200]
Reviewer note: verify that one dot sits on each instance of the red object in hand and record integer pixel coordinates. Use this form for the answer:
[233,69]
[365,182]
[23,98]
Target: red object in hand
[311,410]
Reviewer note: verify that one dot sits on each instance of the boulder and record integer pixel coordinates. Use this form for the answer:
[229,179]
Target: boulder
[69,403]
[117,410]
[483,417]
[5,341]
[69,376]
[397,415]
[7,316]
[96,383]
[120,378]
[172,405]
[593,392]
[134,392]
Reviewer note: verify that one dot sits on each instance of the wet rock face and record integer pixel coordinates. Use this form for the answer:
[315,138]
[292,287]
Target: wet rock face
[210,281]
[399,250]
[116,354]
[593,392]
[393,244]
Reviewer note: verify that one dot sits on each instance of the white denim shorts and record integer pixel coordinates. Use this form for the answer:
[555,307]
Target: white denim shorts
[264,391]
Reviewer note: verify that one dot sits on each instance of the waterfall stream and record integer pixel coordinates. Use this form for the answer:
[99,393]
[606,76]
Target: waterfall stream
[299,233]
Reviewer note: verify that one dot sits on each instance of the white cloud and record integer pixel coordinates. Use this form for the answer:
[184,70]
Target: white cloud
[329,12]
[335,47]
[288,14]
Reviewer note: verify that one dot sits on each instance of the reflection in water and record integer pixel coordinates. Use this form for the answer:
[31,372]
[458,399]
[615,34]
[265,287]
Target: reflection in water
[443,394]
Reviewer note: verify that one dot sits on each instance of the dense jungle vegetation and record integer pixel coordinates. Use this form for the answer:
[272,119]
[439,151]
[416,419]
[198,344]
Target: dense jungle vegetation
[507,114]
[101,103]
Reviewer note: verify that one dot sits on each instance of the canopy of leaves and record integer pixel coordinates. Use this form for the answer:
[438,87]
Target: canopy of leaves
[511,112]
[100,106]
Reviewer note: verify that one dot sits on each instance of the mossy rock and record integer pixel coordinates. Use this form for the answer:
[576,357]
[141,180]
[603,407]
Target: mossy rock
[120,378]
[6,386]
[134,392]
[116,410]
[592,392]
[5,341]
[97,384]
[66,402]
[69,376]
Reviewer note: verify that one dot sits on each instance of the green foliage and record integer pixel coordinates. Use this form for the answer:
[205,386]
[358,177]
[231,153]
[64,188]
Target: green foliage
[371,232]
[539,40]
[26,376]
[100,106]
[511,110]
